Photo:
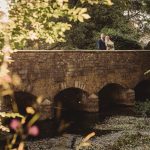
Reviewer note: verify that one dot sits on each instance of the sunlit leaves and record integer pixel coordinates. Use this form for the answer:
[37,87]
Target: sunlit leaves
[38,20]
[107,2]
[147,72]
[10,115]
[30,110]
[3,128]
[61,2]
[46,20]
[79,14]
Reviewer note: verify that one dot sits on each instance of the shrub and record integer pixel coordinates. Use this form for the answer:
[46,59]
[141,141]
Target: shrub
[143,108]
[122,43]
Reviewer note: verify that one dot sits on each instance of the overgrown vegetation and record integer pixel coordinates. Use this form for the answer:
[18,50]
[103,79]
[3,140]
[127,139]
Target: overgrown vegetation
[44,21]
[112,21]
[52,21]
[143,108]
[132,141]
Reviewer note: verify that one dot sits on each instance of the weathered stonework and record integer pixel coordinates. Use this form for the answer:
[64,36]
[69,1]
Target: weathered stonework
[45,73]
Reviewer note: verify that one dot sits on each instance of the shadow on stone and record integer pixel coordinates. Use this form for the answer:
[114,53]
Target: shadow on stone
[142,91]
[115,99]
[19,101]
[69,107]
[22,100]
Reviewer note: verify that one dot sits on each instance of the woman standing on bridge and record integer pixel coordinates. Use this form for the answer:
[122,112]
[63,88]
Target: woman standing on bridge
[109,43]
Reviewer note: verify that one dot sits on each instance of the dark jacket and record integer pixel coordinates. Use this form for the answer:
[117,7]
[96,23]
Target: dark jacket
[101,45]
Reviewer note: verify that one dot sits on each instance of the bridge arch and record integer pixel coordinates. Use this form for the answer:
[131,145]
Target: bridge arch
[111,94]
[69,103]
[142,90]
[71,98]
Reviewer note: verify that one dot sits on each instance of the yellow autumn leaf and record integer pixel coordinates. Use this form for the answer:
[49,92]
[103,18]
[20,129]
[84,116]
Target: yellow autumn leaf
[30,110]
[80,18]
[88,136]
[86,16]
[39,99]
[108,2]
[83,10]
[3,128]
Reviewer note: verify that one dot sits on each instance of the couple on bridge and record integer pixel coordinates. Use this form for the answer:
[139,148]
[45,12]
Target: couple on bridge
[104,43]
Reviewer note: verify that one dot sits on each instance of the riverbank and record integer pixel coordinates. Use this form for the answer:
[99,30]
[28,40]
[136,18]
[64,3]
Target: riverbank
[115,133]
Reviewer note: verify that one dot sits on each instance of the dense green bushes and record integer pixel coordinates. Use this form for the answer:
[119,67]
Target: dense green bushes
[122,43]
[142,108]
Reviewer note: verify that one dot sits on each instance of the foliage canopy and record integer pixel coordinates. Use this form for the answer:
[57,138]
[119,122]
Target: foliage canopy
[44,20]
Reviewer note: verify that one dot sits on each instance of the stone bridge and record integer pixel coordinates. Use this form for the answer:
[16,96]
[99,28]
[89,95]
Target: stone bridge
[46,73]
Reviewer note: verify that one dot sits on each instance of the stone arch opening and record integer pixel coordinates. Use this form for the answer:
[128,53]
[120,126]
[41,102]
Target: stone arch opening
[142,90]
[113,98]
[71,99]
[69,107]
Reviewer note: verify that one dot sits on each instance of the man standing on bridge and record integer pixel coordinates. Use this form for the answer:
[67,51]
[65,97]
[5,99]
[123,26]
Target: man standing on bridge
[101,42]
